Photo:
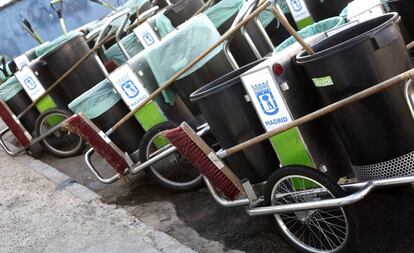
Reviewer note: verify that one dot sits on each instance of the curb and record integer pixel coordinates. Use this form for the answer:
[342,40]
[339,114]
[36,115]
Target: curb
[62,181]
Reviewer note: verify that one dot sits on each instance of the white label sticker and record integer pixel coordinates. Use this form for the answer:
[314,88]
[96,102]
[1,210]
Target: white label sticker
[30,83]
[214,159]
[21,61]
[298,9]
[104,137]
[128,86]
[266,99]
[146,35]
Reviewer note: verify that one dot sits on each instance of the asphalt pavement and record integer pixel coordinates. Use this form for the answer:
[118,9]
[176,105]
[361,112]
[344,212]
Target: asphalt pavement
[193,218]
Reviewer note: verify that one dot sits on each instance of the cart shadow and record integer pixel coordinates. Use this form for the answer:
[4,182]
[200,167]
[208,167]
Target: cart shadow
[386,222]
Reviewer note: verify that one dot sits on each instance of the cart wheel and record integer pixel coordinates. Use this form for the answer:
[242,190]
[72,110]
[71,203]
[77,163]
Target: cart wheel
[62,143]
[173,172]
[319,230]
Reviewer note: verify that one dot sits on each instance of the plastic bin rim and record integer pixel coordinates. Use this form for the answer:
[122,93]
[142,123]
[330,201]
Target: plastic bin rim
[391,18]
[61,45]
[217,86]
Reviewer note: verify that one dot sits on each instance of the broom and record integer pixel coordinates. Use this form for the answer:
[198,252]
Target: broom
[194,149]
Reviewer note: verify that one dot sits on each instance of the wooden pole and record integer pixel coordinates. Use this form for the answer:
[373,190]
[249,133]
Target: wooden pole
[282,19]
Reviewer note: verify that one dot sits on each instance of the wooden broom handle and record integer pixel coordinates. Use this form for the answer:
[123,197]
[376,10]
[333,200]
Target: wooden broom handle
[323,111]
[169,82]
[204,7]
[282,19]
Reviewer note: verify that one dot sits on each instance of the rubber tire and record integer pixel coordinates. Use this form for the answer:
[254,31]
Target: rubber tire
[44,115]
[143,157]
[335,189]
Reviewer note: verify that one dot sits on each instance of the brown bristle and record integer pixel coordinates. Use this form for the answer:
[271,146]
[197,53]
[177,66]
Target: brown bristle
[13,126]
[196,156]
[82,128]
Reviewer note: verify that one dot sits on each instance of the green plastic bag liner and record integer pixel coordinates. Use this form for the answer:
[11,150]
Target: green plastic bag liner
[222,11]
[266,17]
[181,47]
[321,26]
[96,101]
[132,46]
[163,24]
[10,88]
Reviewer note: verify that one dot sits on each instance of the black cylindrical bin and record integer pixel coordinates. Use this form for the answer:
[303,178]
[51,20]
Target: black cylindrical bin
[18,103]
[405,8]
[216,67]
[129,135]
[40,69]
[323,9]
[84,77]
[377,128]
[233,120]
[182,10]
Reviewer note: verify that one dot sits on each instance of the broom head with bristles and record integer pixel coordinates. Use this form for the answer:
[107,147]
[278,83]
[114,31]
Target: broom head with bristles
[99,142]
[18,130]
[199,159]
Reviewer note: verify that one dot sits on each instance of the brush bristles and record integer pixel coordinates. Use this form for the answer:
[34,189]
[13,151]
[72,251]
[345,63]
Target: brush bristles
[13,126]
[82,128]
[196,156]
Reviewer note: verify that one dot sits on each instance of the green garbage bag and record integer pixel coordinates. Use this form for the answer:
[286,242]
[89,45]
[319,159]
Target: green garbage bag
[344,13]
[163,24]
[266,17]
[96,100]
[50,46]
[222,11]
[321,26]
[132,46]
[10,88]
[132,4]
[181,47]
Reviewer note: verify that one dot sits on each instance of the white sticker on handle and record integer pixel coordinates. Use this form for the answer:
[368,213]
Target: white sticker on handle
[298,9]
[128,85]
[146,35]
[30,83]
[266,99]
[214,159]
[21,61]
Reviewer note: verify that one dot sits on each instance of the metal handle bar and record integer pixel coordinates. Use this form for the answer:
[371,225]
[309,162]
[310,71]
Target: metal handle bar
[408,90]
[118,36]
[241,15]
[111,19]
[4,146]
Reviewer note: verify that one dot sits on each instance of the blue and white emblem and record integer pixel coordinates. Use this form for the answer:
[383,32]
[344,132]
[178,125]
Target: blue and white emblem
[130,89]
[149,40]
[30,83]
[297,6]
[266,99]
